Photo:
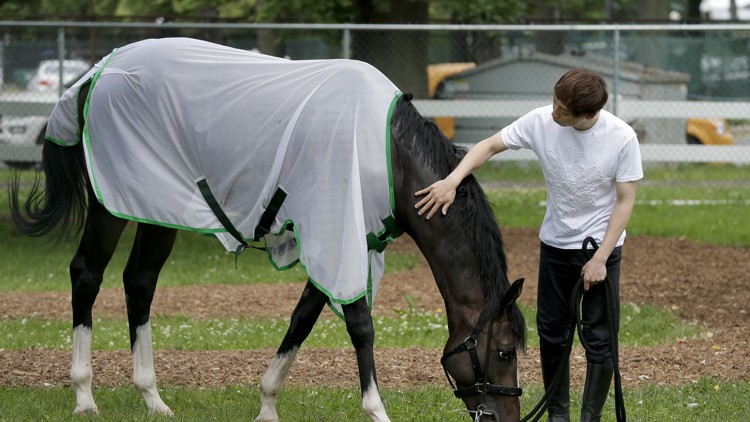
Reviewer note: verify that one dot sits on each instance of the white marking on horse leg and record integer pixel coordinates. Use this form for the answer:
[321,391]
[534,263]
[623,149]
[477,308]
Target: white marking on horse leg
[144,376]
[270,384]
[81,372]
[373,404]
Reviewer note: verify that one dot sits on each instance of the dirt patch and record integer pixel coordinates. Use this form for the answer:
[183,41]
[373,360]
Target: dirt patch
[703,284]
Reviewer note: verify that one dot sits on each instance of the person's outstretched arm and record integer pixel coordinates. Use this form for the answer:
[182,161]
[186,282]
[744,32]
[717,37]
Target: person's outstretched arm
[440,195]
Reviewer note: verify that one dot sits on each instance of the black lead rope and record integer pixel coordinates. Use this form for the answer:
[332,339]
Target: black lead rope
[612,320]
[576,325]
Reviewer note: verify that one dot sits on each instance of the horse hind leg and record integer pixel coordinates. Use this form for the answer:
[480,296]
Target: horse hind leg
[362,333]
[151,249]
[303,319]
[100,236]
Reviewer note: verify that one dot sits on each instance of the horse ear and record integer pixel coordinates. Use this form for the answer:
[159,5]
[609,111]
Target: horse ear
[513,293]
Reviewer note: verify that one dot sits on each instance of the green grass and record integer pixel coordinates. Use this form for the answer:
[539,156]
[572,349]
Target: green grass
[530,172]
[703,401]
[640,326]
[232,404]
[411,329]
[696,172]
[518,207]
[30,264]
[722,222]
[655,213]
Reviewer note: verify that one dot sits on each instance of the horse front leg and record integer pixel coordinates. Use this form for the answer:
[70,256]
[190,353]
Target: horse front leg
[302,321]
[100,236]
[151,249]
[361,331]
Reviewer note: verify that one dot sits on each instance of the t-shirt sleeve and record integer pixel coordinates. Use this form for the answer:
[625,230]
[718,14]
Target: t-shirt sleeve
[517,135]
[629,167]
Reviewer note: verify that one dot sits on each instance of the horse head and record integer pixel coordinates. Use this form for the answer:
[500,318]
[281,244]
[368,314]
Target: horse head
[483,368]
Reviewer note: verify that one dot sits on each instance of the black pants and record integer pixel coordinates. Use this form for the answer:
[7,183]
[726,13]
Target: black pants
[559,271]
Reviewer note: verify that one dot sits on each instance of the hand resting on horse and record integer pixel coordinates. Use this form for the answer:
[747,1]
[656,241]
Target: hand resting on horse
[438,196]
[441,194]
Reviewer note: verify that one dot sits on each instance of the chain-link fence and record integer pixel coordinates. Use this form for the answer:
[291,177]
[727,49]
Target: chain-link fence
[684,88]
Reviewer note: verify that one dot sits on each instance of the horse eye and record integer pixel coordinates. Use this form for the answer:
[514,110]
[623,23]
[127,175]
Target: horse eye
[504,355]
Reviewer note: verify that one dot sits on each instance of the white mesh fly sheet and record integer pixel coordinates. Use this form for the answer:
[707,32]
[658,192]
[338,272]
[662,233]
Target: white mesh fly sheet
[165,115]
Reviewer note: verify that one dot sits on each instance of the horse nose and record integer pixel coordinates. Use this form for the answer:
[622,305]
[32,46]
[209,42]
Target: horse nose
[491,414]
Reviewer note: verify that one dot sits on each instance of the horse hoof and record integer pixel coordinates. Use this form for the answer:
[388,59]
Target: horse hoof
[163,411]
[84,411]
[267,416]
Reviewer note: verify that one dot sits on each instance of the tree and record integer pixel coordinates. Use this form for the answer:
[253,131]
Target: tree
[696,40]
[400,55]
[478,46]
[87,9]
[651,53]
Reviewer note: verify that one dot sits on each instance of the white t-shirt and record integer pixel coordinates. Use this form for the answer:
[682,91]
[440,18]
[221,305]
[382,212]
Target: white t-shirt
[580,169]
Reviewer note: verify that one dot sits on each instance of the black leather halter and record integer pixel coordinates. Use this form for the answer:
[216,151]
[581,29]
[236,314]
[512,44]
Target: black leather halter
[481,385]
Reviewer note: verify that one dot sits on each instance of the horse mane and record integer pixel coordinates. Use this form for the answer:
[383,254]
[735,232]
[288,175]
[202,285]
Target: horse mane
[471,210]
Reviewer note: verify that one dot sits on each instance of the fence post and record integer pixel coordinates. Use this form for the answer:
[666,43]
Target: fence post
[347,43]
[61,58]
[616,71]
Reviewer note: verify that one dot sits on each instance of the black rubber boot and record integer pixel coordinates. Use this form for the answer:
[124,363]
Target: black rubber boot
[559,408]
[598,380]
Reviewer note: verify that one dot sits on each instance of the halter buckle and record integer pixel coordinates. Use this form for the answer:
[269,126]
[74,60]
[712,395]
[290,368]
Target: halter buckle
[480,387]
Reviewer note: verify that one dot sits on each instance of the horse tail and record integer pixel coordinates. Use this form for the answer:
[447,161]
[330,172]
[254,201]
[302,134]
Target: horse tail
[58,206]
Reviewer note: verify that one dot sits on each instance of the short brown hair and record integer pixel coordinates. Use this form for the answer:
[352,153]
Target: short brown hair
[581,91]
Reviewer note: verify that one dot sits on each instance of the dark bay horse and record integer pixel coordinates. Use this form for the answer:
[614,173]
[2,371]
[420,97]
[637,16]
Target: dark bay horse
[464,250]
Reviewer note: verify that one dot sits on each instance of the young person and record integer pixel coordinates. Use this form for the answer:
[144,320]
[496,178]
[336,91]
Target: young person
[591,163]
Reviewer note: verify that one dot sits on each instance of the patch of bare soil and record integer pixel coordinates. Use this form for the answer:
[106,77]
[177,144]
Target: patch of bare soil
[705,285]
